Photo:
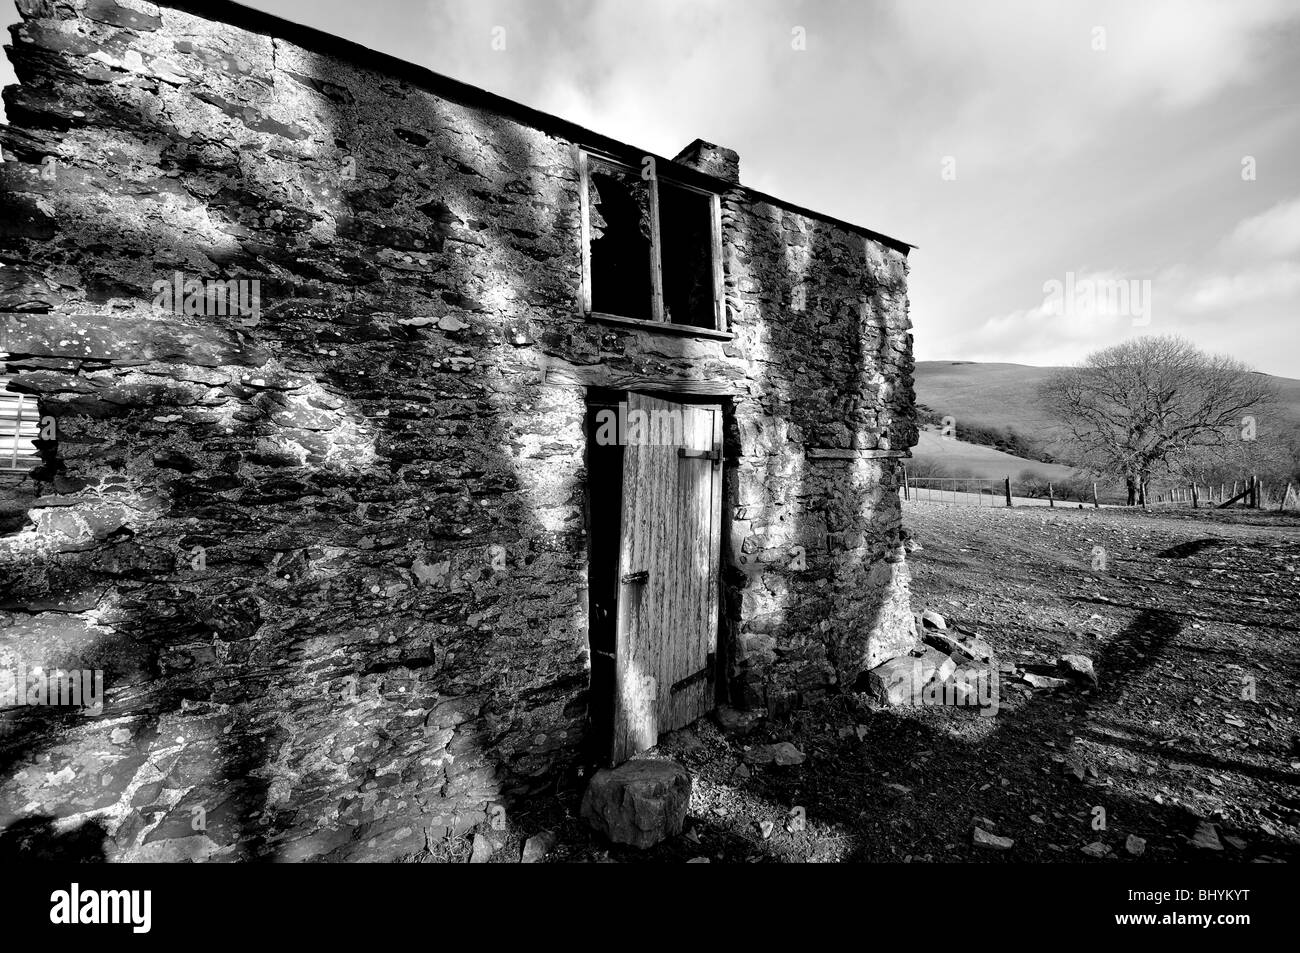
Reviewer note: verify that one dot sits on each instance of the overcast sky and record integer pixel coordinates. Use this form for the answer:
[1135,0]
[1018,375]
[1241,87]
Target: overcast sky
[1016,142]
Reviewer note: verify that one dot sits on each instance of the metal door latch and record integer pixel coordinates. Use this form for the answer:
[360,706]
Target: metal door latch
[642,576]
[715,454]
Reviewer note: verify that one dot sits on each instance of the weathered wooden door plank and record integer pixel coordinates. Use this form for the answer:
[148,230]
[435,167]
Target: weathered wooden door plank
[669,550]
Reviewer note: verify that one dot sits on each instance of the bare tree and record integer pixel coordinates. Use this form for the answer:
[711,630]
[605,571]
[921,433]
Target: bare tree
[1141,407]
[1267,454]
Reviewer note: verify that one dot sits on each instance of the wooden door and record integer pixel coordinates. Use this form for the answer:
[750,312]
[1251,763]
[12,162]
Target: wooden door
[670,534]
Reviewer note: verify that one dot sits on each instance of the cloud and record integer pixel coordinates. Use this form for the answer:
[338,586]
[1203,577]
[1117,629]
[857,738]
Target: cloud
[1023,78]
[1247,309]
[1079,312]
[1272,283]
[1274,233]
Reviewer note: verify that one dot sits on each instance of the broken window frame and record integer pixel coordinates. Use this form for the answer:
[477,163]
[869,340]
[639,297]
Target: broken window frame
[659,321]
[25,417]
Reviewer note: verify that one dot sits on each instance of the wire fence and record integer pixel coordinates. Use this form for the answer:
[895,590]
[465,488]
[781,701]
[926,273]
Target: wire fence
[969,491]
[1249,493]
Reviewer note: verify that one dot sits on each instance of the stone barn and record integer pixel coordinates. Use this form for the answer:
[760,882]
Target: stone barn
[378,451]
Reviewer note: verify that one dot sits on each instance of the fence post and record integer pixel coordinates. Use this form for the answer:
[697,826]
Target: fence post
[1254,491]
[1050,502]
[1095,504]
[1196,498]
[1007,482]
[905,493]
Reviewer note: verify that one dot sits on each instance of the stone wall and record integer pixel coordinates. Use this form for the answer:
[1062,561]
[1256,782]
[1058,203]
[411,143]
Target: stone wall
[331,557]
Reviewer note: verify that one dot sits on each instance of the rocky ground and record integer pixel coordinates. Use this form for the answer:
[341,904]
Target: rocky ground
[1189,748]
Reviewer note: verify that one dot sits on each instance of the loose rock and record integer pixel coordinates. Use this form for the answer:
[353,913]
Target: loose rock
[734,721]
[641,803]
[783,753]
[1207,837]
[1079,668]
[481,852]
[900,681]
[1044,681]
[962,648]
[932,620]
[983,838]
[537,847]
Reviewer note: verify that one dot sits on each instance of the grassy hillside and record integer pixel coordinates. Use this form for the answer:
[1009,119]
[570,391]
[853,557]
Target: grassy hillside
[991,395]
[985,462]
[1006,396]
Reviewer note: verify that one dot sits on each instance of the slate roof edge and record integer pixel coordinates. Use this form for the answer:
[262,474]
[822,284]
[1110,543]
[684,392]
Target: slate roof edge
[318,41]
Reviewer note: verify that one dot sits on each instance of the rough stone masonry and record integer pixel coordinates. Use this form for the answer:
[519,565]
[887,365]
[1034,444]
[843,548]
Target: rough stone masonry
[331,555]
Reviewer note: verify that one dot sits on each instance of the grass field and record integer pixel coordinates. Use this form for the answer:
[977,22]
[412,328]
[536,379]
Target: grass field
[960,459]
[985,462]
[990,395]
[1006,396]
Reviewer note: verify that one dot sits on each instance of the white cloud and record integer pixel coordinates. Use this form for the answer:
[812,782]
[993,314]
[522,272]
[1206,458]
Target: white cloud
[1021,78]
[1227,294]
[1086,311]
[1274,233]
[1248,310]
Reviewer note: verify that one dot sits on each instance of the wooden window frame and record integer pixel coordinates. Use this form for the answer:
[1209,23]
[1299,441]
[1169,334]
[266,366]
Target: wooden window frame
[26,410]
[659,322]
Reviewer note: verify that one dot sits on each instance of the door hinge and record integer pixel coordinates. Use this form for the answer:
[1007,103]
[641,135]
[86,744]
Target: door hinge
[715,454]
[705,673]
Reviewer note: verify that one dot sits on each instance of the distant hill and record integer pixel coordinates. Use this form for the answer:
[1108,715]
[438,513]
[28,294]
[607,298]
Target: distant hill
[991,395]
[986,462]
[1006,396]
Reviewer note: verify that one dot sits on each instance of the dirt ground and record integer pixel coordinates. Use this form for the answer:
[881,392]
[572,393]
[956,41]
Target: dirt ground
[1194,613]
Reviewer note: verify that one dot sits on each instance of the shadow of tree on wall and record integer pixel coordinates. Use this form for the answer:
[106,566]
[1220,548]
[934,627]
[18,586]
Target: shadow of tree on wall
[316,688]
[287,572]
[825,508]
